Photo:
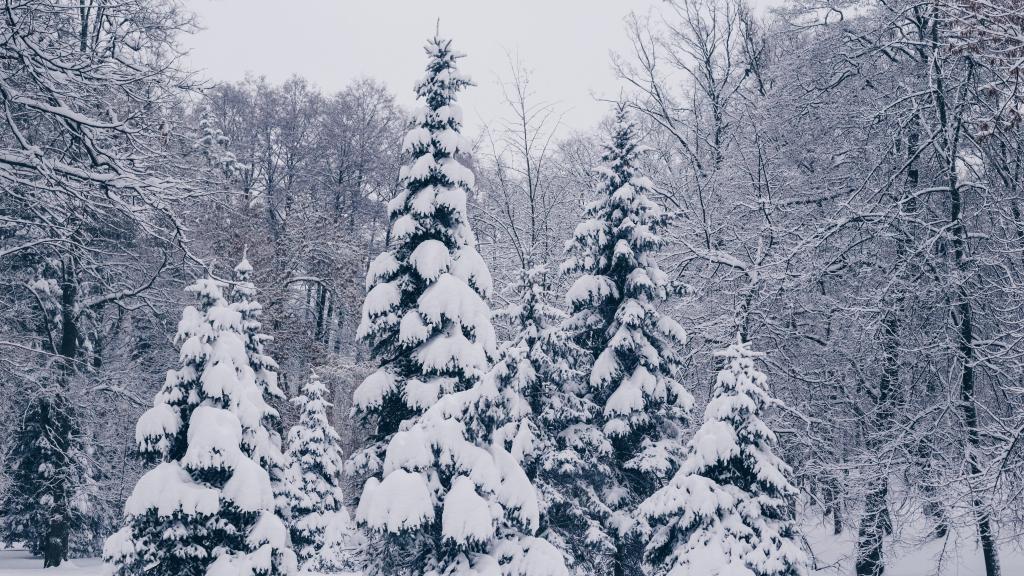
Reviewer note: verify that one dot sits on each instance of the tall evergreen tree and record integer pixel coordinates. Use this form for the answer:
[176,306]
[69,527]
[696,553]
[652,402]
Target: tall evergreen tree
[431,260]
[208,507]
[318,521]
[614,317]
[444,502]
[727,510]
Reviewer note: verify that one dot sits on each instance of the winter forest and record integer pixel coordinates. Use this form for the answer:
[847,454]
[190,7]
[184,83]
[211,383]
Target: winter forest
[764,318]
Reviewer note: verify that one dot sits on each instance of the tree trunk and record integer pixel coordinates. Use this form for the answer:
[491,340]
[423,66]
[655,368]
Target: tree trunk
[875,523]
[970,415]
[55,545]
[962,309]
[873,527]
[321,309]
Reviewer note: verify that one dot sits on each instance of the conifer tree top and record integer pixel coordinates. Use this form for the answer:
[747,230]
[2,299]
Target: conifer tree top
[243,268]
[442,493]
[617,240]
[431,275]
[443,80]
[621,151]
[320,526]
[635,345]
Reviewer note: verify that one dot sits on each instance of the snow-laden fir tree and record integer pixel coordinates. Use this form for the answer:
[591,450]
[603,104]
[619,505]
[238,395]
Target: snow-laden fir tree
[727,510]
[430,275]
[533,405]
[635,347]
[208,505]
[439,502]
[320,526]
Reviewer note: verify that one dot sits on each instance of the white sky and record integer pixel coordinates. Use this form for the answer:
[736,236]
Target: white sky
[564,43]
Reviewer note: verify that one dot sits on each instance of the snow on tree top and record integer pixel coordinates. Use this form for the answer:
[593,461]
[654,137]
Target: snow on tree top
[453,198]
[401,502]
[192,323]
[421,168]
[383,266]
[416,140]
[397,203]
[403,227]
[243,267]
[412,330]
[380,299]
[423,394]
[219,379]
[156,425]
[515,490]
[214,435]
[430,258]
[249,487]
[167,488]
[450,298]
[535,557]
[269,529]
[207,288]
[627,399]
[456,173]
[224,318]
[466,516]
[591,289]
[424,201]
[371,392]
[452,142]
[453,351]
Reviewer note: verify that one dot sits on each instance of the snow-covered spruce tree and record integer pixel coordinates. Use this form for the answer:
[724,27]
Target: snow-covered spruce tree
[208,506]
[430,265]
[727,510]
[443,503]
[532,403]
[319,523]
[613,316]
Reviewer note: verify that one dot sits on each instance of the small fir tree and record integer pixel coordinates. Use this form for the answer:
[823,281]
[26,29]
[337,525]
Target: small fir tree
[320,527]
[430,263]
[727,510]
[207,508]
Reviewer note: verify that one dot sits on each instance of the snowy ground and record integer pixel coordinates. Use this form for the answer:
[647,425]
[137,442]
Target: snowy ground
[21,563]
[957,555]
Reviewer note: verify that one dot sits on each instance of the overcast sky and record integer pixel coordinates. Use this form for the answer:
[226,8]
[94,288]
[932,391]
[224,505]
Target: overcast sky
[565,43]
